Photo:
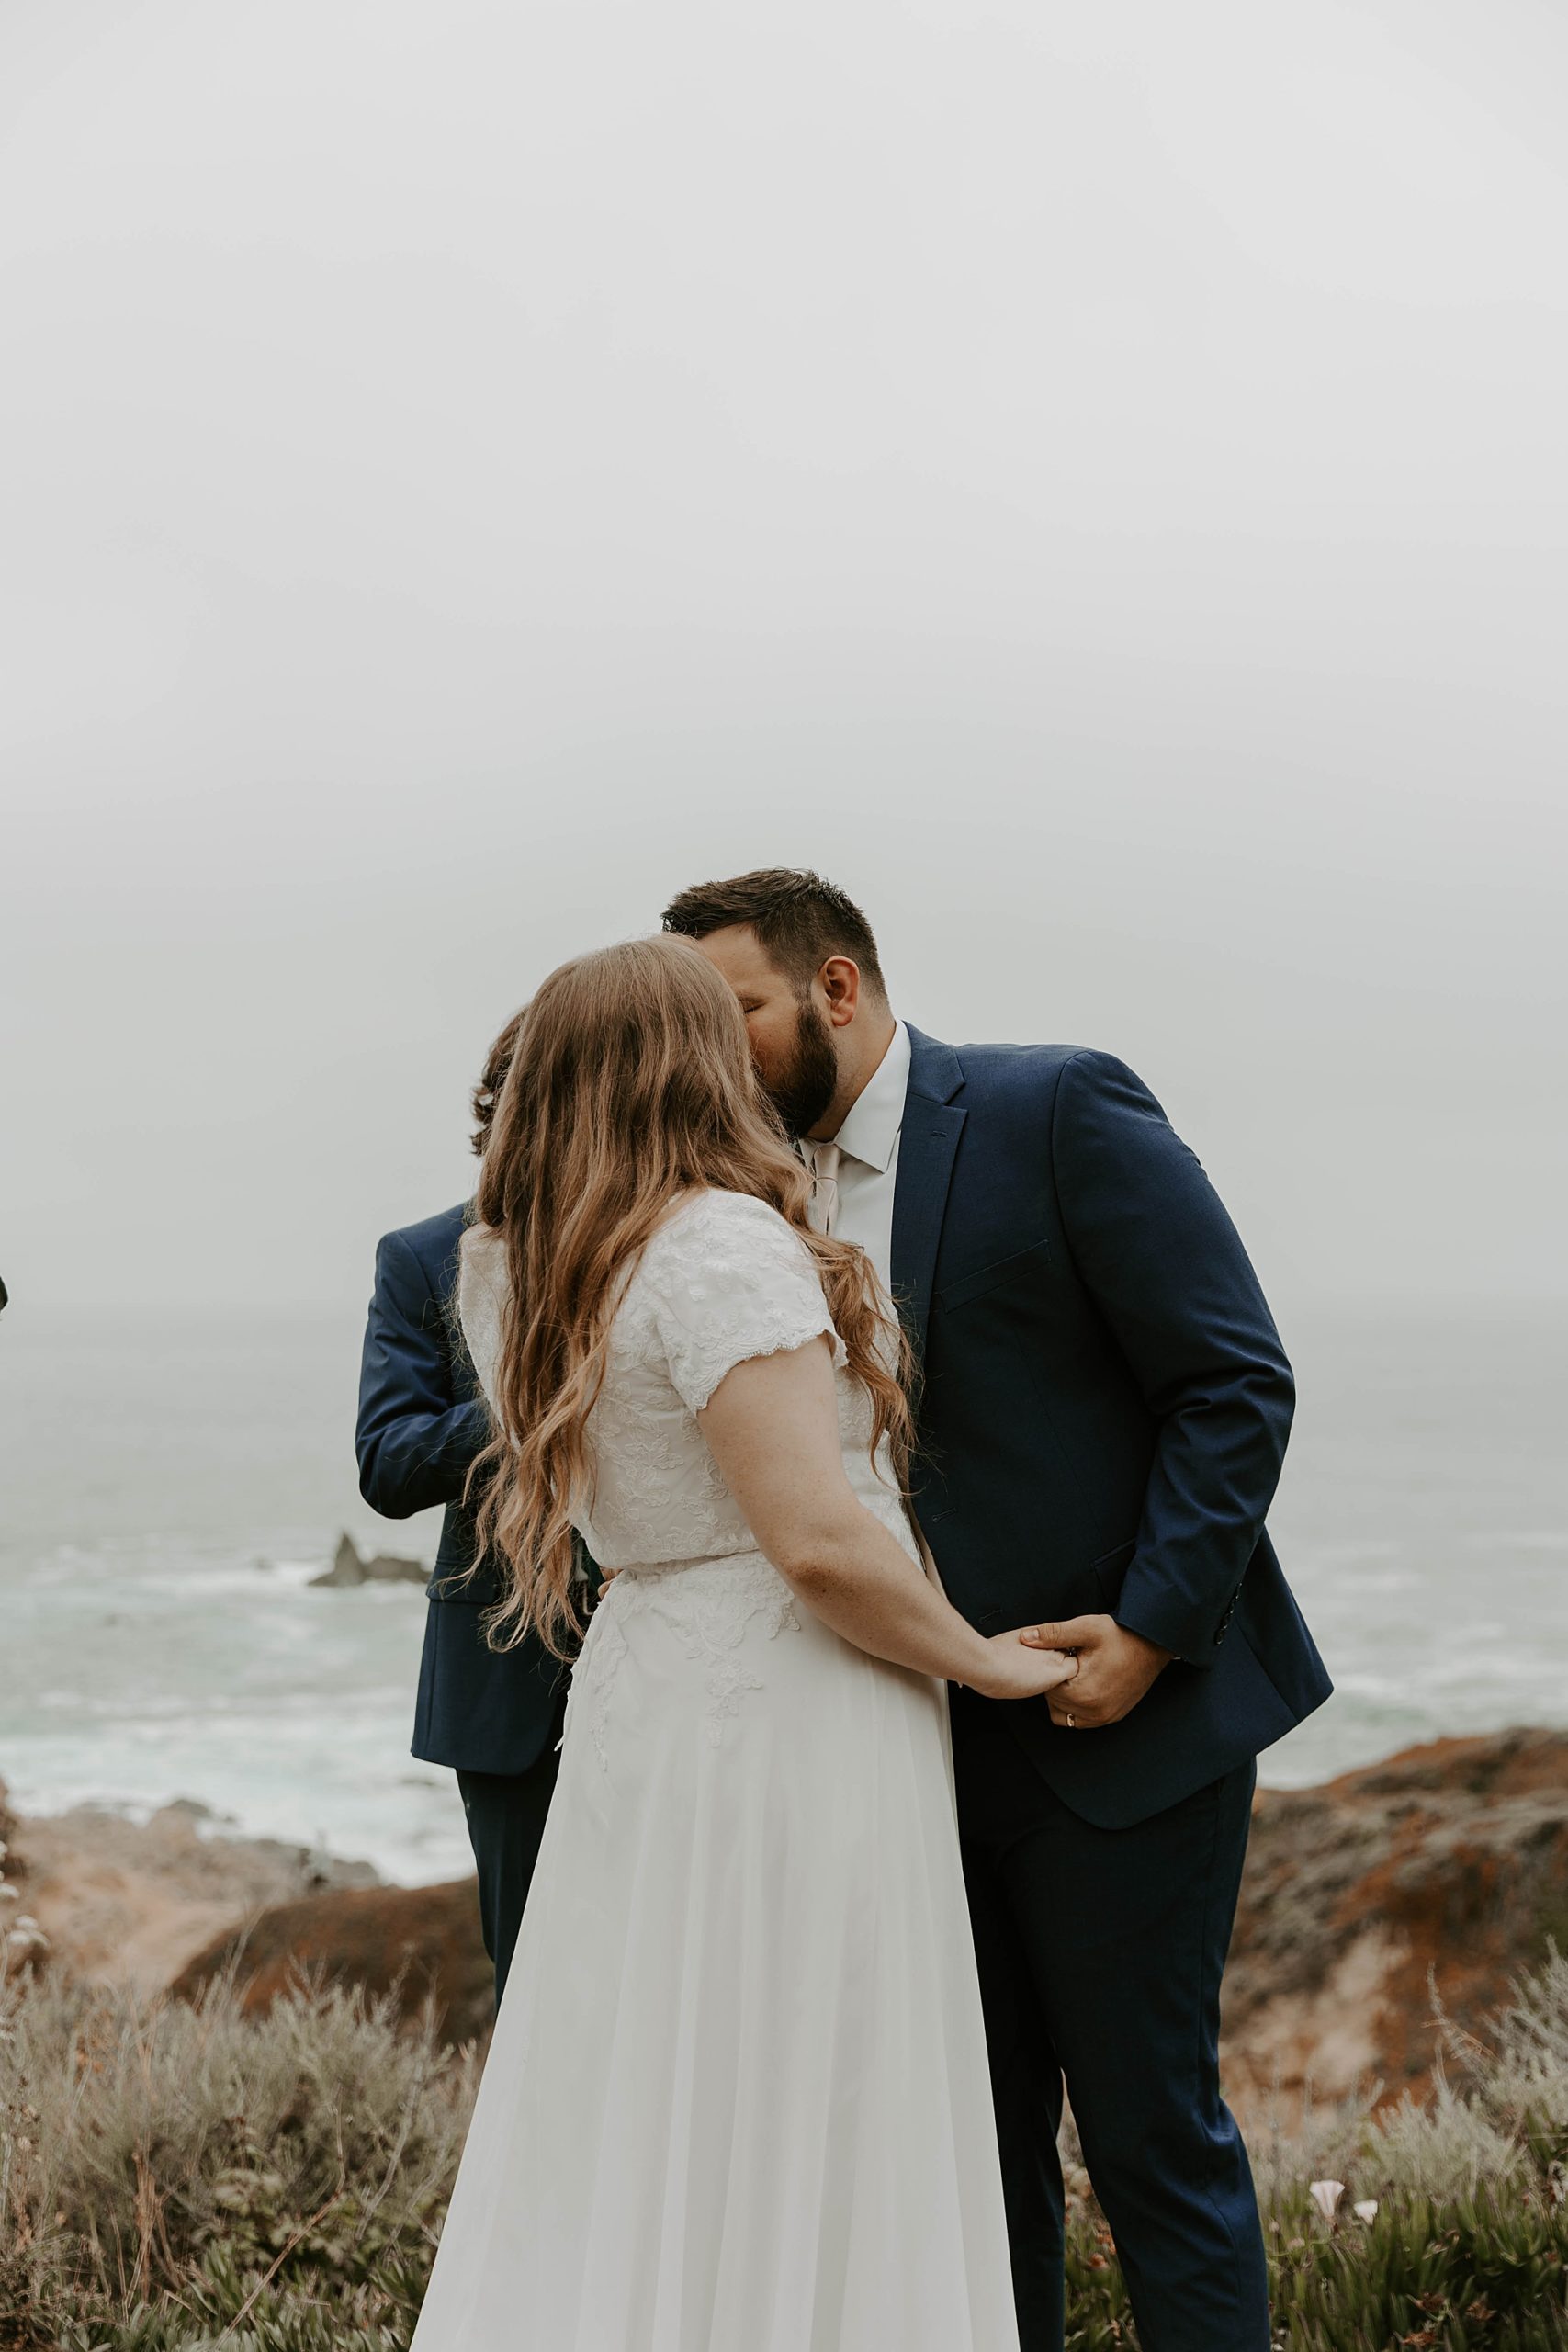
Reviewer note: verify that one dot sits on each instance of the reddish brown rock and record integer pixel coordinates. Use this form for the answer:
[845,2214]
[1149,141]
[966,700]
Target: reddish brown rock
[1444,1867]
[418,1944]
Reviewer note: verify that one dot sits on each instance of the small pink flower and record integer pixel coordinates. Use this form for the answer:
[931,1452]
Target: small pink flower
[1326,2195]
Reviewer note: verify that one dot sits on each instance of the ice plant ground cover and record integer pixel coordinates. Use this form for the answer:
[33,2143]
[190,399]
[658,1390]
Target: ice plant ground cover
[174,2180]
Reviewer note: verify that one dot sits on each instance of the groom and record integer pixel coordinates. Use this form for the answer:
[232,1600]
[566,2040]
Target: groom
[1103,1415]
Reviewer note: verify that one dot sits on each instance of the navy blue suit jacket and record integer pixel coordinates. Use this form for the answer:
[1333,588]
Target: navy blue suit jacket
[1105,1408]
[422,1421]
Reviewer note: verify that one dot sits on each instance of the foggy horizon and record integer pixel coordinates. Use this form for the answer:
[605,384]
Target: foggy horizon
[1091,484]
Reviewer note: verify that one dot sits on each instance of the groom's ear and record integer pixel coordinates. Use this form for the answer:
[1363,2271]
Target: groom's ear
[839,981]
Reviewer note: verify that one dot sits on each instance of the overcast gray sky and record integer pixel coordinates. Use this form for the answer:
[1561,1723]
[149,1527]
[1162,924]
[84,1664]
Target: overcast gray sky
[1088,474]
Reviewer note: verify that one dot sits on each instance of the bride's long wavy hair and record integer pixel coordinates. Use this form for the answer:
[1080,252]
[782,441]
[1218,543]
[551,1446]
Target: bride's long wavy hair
[631,1083]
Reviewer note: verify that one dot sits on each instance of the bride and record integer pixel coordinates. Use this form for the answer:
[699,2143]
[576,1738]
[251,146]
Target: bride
[738,2097]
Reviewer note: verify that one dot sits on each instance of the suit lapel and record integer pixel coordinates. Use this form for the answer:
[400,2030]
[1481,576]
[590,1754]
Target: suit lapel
[928,1145]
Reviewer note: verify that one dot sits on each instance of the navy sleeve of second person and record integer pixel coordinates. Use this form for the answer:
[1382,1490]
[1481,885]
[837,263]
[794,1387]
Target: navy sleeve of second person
[415,1438]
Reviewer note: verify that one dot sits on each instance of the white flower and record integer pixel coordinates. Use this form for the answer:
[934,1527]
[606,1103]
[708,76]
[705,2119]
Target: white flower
[1326,2195]
[27,1936]
[1367,2210]
[8,1893]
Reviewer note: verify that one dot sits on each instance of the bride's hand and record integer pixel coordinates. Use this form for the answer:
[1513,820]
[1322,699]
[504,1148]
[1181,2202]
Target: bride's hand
[1020,1672]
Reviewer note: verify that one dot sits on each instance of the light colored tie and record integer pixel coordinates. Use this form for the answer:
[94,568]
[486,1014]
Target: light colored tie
[822,1159]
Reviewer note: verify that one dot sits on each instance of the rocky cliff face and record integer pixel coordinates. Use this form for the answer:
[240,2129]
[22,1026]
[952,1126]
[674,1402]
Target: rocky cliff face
[418,1944]
[1444,1869]
[128,1902]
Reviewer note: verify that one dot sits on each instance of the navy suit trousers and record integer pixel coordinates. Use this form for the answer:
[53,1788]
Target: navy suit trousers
[505,1814]
[1100,1954]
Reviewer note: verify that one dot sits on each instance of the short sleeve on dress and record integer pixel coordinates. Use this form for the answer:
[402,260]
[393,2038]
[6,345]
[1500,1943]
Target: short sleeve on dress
[731,1279]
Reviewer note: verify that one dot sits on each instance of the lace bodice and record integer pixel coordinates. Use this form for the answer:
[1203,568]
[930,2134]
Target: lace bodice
[724,1279]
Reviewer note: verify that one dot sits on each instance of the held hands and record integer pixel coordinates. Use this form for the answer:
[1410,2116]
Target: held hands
[1115,1670]
[1020,1672]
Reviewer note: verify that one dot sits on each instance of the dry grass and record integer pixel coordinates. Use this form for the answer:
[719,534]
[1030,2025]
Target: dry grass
[168,2174]
[174,2179]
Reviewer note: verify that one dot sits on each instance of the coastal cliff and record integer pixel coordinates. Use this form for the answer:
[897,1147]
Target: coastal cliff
[1431,1880]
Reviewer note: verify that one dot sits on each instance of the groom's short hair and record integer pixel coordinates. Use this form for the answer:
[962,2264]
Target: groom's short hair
[799,920]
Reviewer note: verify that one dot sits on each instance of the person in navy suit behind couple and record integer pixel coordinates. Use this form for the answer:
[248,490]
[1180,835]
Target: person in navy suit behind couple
[1102,1418]
[493,1716]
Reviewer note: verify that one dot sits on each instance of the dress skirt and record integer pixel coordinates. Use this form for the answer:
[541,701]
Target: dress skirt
[738,2096]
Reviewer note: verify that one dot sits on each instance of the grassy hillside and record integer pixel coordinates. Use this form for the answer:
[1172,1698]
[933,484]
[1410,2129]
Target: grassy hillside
[174,2177]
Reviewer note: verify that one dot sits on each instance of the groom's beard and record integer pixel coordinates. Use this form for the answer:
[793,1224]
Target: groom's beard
[801,1092]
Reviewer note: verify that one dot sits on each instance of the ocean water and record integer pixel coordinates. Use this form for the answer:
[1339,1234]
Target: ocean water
[169,1489]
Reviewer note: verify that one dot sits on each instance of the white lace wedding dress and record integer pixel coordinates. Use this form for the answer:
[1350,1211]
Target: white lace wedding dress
[737,2099]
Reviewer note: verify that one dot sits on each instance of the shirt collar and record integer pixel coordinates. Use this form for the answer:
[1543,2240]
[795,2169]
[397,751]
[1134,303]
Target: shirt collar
[870,1131]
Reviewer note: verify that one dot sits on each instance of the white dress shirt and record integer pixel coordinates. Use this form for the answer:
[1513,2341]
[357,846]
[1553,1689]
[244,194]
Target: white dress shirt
[856,1203]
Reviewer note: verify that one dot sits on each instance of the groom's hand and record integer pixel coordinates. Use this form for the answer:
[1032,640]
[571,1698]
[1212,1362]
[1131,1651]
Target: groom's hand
[1116,1668]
